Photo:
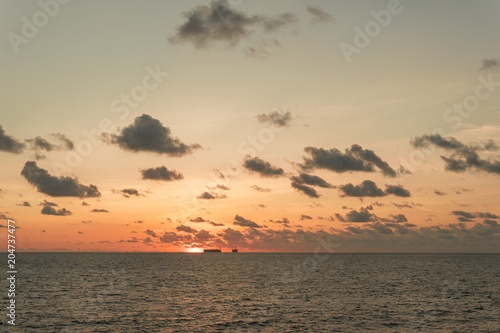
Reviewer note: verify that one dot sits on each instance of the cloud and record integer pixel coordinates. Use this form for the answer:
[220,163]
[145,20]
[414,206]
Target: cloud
[463,216]
[128,192]
[307,190]
[366,189]
[150,233]
[305,217]
[218,22]
[355,216]
[285,222]
[440,193]
[149,135]
[85,204]
[56,186]
[10,144]
[202,220]
[81,233]
[307,179]
[276,118]
[397,190]
[48,203]
[39,144]
[491,63]
[211,195]
[99,210]
[161,173]
[462,156]
[49,210]
[86,221]
[186,228]
[405,204]
[354,159]
[238,220]
[319,15]
[265,169]
[370,156]
[260,189]
[24,204]
[220,187]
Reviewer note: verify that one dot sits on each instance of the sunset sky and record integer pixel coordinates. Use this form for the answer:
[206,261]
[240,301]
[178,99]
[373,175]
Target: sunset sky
[366,126]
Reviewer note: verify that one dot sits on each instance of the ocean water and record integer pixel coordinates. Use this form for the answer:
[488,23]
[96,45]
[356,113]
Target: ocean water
[252,292]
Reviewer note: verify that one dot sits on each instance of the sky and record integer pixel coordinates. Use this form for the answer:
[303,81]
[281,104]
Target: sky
[283,126]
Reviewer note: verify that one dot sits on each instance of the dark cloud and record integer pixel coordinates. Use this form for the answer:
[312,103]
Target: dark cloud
[186,228]
[370,157]
[462,157]
[24,204]
[99,210]
[139,222]
[285,222]
[276,118]
[202,220]
[49,210]
[238,220]
[161,173]
[149,135]
[265,169]
[128,192]
[354,159]
[260,189]
[398,218]
[10,144]
[319,15]
[355,216]
[397,190]
[81,233]
[305,217]
[463,216]
[307,190]
[440,193]
[307,179]
[56,186]
[48,203]
[86,221]
[491,63]
[85,204]
[211,195]
[334,160]
[218,22]
[366,189]
[40,143]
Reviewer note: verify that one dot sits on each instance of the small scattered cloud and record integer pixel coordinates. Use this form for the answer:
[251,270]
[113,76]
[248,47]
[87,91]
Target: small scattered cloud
[440,193]
[490,63]
[462,157]
[319,15]
[397,190]
[464,216]
[99,210]
[276,118]
[185,228]
[219,23]
[211,196]
[9,144]
[355,158]
[24,204]
[305,217]
[307,179]
[48,203]
[161,173]
[148,134]
[242,222]
[260,189]
[366,189]
[128,192]
[307,190]
[49,210]
[56,186]
[265,169]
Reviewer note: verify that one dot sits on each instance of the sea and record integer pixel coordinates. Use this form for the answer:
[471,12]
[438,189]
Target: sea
[255,292]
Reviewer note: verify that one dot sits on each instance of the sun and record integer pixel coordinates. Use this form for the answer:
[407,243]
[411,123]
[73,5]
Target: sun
[194,250]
